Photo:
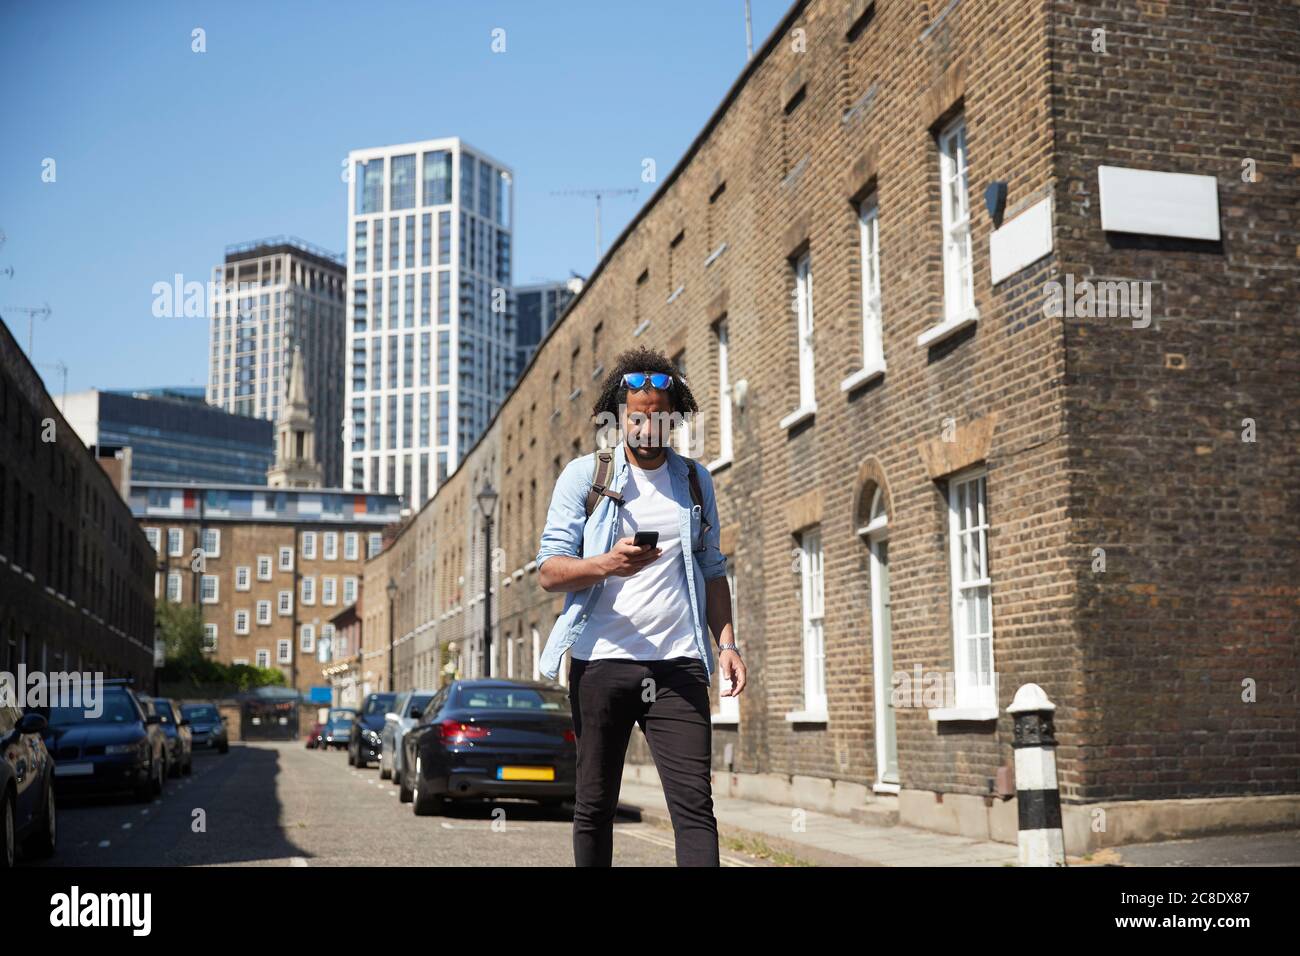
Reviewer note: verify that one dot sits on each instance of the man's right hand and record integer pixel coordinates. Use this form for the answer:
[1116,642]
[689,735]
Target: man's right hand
[626,558]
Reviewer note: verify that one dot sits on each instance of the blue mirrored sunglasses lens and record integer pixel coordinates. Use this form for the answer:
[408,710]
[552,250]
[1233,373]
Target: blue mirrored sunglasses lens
[635,379]
[660,380]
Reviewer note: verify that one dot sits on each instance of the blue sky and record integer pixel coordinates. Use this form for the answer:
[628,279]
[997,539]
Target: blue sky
[164,156]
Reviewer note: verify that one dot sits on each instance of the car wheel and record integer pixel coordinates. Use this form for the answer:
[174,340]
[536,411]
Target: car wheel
[424,804]
[224,748]
[173,769]
[144,792]
[351,760]
[384,773]
[160,776]
[6,832]
[404,792]
[40,845]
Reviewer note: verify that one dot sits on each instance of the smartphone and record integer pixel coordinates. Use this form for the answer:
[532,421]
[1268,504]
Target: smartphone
[646,539]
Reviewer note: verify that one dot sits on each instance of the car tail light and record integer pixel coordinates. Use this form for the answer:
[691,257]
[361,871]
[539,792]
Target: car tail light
[570,737]
[454,730]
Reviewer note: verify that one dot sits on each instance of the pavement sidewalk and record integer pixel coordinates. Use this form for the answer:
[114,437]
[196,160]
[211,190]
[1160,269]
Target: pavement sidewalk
[829,840]
[825,839]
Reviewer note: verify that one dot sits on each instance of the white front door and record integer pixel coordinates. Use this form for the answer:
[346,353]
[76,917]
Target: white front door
[883,657]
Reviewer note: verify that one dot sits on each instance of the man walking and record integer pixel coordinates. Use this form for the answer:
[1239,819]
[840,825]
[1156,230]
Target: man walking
[637,617]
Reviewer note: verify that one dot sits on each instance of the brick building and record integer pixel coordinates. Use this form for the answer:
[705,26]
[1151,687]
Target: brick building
[934,484]
[277,565]
[75,572]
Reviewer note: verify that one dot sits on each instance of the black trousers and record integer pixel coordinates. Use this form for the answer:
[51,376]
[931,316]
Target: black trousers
[669,699]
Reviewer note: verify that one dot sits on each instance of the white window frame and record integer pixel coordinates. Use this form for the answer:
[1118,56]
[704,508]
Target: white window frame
[263,658]
[349,590]
[308,545]
[351,544]
[263,613]
[812,590]
[174,577]
[725,447]
[209,636]
[155,538]
[215,534]
[958,268]
[241,615]
[307,639]
[286,559]
[308,596]
[267,565]
[873,344]
[803,294]
[374,544]
[329,591]
[243,578]
[330,546]
[975,676]
[284,651]
[204,581]
[175,542]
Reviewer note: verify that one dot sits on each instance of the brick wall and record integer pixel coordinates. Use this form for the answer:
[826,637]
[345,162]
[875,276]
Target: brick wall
[1199,527]
[75,572]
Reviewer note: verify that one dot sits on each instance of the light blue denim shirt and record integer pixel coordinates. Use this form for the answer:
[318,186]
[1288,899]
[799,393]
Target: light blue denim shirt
[565,534]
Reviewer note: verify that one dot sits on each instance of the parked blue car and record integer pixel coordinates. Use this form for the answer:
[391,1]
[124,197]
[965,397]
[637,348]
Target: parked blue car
[207,727]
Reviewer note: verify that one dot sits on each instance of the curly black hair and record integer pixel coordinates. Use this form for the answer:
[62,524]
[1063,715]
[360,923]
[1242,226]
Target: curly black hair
[614,393]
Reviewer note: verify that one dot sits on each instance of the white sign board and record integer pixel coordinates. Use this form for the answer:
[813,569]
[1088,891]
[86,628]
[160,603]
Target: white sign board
[1022,240]
[1158,204]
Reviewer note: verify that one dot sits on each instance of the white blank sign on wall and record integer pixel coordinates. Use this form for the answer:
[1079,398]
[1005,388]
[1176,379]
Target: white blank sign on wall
[1153,203]
[1021,241]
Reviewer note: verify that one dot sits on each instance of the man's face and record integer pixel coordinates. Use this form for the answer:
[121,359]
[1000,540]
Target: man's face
[646,422]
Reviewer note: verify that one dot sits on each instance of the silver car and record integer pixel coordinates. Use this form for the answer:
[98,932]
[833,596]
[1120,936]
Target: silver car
[405,713]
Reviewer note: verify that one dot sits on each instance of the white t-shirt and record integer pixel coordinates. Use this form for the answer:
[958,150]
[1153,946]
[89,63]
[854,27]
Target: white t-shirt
[646,615]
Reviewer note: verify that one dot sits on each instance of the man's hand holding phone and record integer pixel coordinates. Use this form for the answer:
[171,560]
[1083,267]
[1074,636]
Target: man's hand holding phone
[628,557]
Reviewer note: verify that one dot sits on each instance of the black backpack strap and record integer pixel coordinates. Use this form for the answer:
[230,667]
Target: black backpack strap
[697,496]
[602,474]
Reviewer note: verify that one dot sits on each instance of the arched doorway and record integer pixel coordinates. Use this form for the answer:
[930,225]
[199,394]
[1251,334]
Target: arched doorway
[876,535]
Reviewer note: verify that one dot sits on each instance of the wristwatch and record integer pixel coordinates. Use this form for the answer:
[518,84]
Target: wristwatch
[729,647]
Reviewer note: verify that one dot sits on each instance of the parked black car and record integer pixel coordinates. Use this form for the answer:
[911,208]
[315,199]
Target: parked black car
[180,739]
[118,748]
[365,742]
[338,727]
[491,738]
[27,818]
[207,727]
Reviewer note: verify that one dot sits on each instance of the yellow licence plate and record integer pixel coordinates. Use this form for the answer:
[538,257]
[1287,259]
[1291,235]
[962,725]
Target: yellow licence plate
[525,773]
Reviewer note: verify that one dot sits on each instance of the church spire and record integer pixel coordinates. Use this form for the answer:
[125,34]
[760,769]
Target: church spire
[295,440]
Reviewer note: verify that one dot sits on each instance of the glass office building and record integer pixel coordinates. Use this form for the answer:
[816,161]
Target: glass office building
[536,309]
[270,297]
[173,434]
[430,331]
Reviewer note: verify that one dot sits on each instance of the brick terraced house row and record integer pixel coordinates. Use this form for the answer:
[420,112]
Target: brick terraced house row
[990,308]
[75,571]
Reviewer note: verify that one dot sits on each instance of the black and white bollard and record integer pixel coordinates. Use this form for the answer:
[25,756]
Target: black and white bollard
[1042,842]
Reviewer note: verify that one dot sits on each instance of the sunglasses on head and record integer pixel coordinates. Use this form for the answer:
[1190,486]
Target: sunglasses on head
[638,380]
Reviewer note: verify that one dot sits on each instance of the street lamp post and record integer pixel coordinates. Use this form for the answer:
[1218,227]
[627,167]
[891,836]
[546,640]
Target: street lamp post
[392,597]
[487,502]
